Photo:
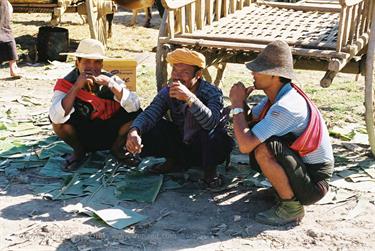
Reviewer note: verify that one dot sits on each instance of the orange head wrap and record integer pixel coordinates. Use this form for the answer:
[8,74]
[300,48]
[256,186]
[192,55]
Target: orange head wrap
[186,56]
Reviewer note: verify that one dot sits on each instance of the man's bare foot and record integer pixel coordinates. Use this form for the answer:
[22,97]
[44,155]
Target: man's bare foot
[73,162]
[166,167]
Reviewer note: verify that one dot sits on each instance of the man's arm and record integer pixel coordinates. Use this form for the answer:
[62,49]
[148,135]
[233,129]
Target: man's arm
[153,113]
[127,99]
[247,142]
[146,120]
[207,115]
[68,101]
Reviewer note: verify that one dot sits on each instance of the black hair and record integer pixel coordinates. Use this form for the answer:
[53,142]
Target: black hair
[285,80]
[196,69]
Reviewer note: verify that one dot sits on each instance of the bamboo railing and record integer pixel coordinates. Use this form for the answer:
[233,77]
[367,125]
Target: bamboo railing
[198,13]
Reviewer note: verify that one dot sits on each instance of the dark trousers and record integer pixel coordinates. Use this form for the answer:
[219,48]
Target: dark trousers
[308,181]
[8,51]
[206,149]
[100,134]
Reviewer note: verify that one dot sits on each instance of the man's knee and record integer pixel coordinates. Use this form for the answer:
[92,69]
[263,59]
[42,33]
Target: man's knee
[62,129]
[263,153]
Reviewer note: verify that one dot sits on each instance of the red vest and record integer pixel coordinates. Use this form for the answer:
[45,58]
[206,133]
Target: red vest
[102,108]
[311,138]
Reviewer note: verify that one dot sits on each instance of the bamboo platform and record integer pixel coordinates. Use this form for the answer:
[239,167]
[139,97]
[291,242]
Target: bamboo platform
[333,31]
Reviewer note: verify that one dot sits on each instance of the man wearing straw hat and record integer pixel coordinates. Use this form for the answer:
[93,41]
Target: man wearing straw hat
[91,110]
[196,135]
[287,138]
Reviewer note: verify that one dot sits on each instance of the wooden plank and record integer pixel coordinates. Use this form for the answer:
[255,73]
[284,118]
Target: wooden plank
[352,24]
[340,34]
[191,17]
[36,5]
[240,4]
[225,8]
[349,2]
[292,42]
[171,23]
[358,21]
[209,11]
[364,17]
[233,6]
[304,7]
[217,10]
[371,14]
[182,20]
[14,2]
[313,53]
[200,14]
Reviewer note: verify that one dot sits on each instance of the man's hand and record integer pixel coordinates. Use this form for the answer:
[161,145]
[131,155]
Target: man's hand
[134,142]
[179,91]
[239,93]
[102,80]
[85,80]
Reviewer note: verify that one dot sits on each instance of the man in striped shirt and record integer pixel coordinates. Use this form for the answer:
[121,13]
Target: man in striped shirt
[196,136]
[288,140]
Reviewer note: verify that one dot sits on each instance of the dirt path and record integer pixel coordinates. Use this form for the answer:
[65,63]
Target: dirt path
[185,218]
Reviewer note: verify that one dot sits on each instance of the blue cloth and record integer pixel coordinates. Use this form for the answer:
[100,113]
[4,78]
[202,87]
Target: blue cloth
[290,114]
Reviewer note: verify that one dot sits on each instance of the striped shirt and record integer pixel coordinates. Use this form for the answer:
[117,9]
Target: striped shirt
[205,112]
[290,114]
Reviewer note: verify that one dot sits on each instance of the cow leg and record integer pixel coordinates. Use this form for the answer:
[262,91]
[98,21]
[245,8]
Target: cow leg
[148,16]
[134,18]
[109,18]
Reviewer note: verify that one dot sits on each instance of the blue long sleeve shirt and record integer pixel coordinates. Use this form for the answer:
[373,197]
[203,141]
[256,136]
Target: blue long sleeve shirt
[205,112]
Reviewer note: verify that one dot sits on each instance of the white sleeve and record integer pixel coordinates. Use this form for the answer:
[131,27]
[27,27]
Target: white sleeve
[129,101]
[56,111]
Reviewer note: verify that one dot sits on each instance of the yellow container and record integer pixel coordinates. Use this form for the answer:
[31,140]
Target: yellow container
[126,69]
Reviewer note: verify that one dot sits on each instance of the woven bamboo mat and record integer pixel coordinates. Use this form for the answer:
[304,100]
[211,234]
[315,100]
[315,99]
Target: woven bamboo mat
[263,24]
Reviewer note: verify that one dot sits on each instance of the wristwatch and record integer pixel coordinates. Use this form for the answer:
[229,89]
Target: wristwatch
[236,111]
[190,101]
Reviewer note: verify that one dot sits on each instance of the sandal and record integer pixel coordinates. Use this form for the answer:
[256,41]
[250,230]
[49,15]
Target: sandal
[162,168]
[72,163]
[215,184]
[130,160]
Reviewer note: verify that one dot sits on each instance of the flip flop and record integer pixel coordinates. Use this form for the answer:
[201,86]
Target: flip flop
[161,168]
[72,163]
[130,160]
[216,184]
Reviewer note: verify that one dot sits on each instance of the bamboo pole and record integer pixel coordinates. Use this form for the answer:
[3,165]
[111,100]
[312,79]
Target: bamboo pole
[218,10]
[171,23]
[313,53]
[369,90]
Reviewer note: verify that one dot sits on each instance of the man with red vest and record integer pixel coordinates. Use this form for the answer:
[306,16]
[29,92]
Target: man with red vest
[284,134]
[92,110]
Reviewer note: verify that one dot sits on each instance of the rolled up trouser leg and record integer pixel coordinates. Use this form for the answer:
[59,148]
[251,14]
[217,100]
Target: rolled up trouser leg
[308,181]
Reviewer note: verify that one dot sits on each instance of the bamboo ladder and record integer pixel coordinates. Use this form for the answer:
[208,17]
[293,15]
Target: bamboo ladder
[327,35]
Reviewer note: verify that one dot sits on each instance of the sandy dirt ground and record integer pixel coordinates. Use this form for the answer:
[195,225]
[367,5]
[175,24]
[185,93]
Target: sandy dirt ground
[186,218]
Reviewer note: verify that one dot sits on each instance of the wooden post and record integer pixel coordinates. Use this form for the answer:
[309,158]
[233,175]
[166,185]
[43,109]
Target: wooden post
[200,14]
[369,89]
[171,23]
[191,17]
[340,34]
[161,54]
[225,7]
[182,20]
[218,10]
[209,11]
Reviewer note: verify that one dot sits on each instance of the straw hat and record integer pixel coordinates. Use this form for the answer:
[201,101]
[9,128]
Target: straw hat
[89,48]
[276,59]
